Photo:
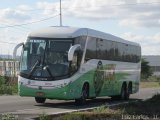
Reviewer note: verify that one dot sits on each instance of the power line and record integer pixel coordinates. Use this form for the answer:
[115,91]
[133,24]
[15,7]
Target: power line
[112,5]
[7,42]
[9,24]
[19,30]
[17,25]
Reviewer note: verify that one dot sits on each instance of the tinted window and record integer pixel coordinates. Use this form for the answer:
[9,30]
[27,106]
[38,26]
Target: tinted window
[81,40]
[110,50]
[91,51]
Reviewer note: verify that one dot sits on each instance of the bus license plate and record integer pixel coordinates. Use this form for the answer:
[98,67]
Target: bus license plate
[40,94]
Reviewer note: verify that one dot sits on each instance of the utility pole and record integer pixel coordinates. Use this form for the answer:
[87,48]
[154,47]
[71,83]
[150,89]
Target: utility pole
[60,13]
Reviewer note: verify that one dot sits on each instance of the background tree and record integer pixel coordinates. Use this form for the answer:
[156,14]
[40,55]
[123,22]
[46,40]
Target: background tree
[146,70]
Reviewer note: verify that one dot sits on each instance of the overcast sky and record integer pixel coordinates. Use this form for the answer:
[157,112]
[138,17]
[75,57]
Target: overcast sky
[134,20]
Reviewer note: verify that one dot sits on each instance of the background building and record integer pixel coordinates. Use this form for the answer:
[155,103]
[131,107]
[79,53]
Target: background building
[154,62]
[9,68]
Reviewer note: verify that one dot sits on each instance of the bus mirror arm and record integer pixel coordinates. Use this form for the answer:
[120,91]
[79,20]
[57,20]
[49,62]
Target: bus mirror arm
[15,50]
[72,50]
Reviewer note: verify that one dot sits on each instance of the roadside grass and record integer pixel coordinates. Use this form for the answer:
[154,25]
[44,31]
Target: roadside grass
[103,115]
[149,84]
[43,116]
[147,109]
[8,116]
[152,79]
[7,86]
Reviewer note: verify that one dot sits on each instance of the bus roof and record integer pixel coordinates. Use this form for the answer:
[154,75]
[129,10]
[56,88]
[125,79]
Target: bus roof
[72,32]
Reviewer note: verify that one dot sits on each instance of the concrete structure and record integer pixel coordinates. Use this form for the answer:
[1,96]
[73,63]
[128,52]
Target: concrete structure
[154,62]
[9,68]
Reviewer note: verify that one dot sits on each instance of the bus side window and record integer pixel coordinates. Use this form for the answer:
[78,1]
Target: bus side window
[91,50]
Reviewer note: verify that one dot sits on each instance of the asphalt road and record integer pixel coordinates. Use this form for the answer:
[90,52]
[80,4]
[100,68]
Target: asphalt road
[26,106]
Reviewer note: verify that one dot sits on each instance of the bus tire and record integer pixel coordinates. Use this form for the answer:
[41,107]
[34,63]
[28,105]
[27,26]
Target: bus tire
[129,91]
[115,97]
[40,100]
[84,95]
[123,95]
[126,91]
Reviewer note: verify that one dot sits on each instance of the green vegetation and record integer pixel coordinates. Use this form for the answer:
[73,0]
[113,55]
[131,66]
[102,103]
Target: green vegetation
[109,115]
[148,109]
[145,69]
[149,84]
[7,86]
[152,79]
[8,116]
[43,116]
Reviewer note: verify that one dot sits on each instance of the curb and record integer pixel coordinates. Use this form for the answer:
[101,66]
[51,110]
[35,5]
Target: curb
[82,110]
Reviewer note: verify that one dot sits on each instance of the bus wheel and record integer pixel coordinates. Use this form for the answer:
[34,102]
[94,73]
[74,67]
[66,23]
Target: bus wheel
[123,94]
[84,95]
[40,100]
[115,97]
[128,91]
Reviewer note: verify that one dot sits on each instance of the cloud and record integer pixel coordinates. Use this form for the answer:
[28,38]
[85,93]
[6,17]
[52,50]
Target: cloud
[151,44]
[24,8]
[139,13]
[8,40]
[50,9]
[142,16]
[80,8]
[13,16]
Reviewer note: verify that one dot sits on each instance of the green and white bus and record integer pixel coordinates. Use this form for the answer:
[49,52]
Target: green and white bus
[68,63]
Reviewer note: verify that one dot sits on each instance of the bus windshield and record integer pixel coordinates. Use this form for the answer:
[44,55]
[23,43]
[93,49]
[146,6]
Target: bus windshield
[45,58]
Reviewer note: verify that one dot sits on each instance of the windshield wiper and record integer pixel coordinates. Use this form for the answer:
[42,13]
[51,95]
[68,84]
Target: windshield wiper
[33,68]
[48,70]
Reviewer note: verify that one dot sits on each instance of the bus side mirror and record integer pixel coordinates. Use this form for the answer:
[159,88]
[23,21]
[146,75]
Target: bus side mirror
[15,50]
[72,50]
